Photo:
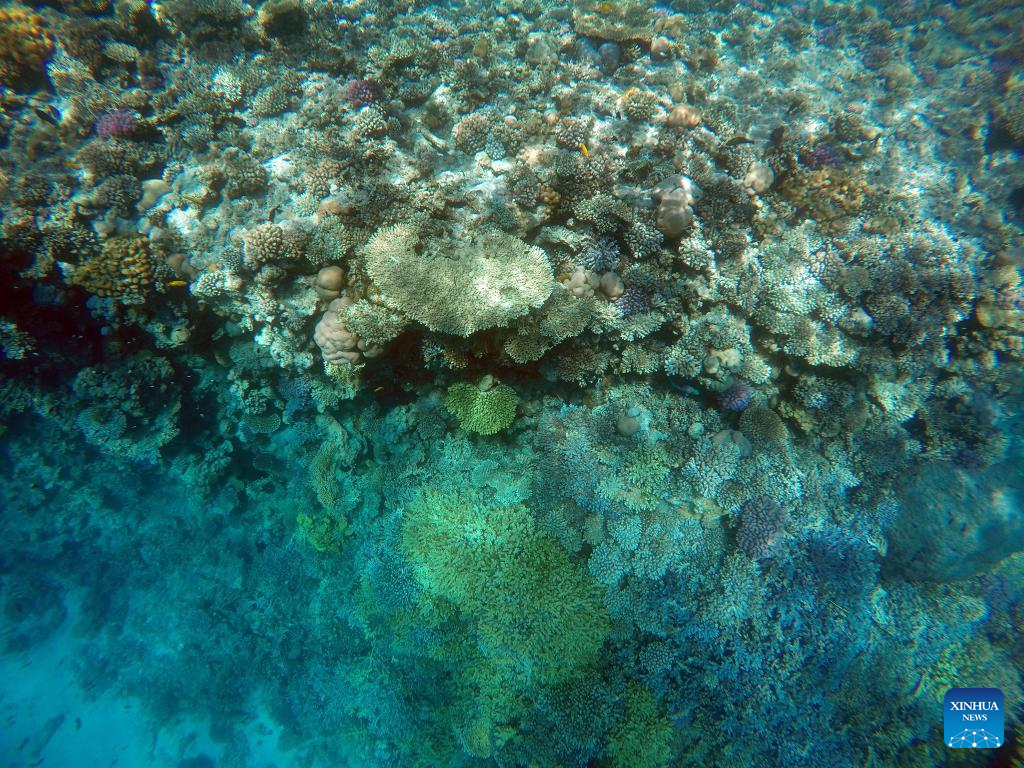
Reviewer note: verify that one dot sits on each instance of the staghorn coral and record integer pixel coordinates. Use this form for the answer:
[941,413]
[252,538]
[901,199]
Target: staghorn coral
[643,737]
[601,255]
[762,522]
[830,195]
[737,396]
[487,282]
[631,301]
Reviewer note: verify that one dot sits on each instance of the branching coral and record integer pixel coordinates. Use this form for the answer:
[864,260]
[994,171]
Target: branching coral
[538,615]
[486,408]
[642,739]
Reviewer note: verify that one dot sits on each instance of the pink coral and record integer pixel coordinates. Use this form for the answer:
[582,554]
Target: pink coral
[118,124]
[338,344]
[362,93]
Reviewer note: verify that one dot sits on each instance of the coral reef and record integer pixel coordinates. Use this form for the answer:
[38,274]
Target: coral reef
[602,384]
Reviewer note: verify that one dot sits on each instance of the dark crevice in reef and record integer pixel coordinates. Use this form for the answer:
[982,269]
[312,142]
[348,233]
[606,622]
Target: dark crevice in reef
[1016,202]
[66,337]
[1000,139]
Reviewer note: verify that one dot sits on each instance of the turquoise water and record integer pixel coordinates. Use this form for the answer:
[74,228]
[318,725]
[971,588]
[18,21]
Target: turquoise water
[600,385]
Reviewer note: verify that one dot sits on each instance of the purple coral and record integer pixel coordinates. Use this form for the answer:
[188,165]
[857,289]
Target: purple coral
[632,301]
[362,93]
[824,155]
[737,397]
[762,523]
[118,124]
[602,255]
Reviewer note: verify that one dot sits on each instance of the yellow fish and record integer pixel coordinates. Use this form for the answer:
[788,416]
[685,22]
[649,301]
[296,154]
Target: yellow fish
[177,283]
[584,150]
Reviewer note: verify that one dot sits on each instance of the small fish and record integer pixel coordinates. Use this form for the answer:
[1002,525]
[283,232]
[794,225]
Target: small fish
[48,113]
[177,283]
[379,389]
[739,140]
[584,150]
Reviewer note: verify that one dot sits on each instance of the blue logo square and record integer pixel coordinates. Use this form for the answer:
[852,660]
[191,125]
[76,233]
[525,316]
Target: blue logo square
[973,718]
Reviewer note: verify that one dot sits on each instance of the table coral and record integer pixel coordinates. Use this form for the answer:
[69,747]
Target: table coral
[534,608]
[458,288]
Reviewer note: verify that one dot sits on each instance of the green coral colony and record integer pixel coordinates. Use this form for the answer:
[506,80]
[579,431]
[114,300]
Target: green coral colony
[591,385]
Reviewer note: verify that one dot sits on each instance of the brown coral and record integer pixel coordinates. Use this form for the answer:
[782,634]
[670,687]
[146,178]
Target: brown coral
[831,196]
[638,105]
[123,270]
[622,21]
[25,45]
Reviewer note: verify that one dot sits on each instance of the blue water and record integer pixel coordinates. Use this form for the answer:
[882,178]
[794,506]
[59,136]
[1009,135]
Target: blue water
[598,385]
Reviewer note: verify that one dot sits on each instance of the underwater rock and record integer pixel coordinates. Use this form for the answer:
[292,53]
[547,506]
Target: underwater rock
[610,55]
